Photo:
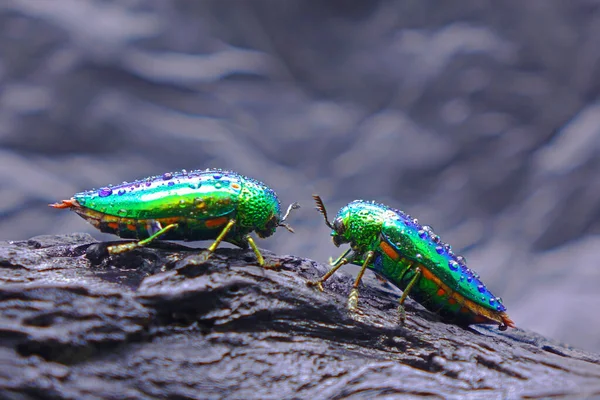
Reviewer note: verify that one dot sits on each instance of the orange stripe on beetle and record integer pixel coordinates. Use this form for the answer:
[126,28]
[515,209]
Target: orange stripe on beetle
[389,251]
[216,222]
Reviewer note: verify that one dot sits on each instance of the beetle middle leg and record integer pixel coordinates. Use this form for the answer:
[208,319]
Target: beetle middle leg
[353,297]
[405,293]
[211,249]
[125,247]
[337,264]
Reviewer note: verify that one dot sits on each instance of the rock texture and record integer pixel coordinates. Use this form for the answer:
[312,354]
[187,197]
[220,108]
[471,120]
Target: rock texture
[163,322]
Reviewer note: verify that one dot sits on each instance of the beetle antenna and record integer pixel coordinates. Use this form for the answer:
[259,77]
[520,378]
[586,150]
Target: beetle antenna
[321,208]
[293,206]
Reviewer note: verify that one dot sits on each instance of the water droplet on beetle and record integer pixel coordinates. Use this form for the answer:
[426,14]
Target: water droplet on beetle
[182,203]
[167,175]
[199,202]
[439,249]
[171,183]
[121,192]
[218,185]
[418,256]
[105,192]
[217,176]
[122,212]
[481,288]
[453,265]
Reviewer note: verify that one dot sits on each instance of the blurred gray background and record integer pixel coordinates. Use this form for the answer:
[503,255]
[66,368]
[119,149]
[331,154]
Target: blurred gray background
[481,118]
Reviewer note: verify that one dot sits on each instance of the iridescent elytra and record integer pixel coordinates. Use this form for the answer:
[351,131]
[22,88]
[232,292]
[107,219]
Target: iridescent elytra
[210,204]
[413,258]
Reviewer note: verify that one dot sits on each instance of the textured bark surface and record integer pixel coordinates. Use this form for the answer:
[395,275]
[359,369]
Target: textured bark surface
[161,322]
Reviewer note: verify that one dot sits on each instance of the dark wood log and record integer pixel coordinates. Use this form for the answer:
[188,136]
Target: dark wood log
[164,322]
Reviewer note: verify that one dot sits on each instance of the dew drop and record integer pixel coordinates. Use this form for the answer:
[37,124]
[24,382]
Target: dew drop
[481,288]
[218,185]
[167,175]
[122,212]
[184,171]
[105,192]
[418,256]
[469,278]
[492,301]
[121,192]
[500,307]
[461,260]
[148,183]
[199,202]
[422,234]
[482,298]
[436,238]
[439,249]
[453,265]
[462,277]
[182,203]
[217,176]
[171,183]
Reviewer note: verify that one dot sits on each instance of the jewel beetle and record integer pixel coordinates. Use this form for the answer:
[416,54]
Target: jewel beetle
[209,204]
[412,257]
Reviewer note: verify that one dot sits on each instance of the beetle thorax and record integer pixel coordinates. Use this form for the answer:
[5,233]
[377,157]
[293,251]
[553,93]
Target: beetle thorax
[258,210]
[363,222]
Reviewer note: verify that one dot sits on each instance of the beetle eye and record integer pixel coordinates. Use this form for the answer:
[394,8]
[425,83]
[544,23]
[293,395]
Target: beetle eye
[338,226]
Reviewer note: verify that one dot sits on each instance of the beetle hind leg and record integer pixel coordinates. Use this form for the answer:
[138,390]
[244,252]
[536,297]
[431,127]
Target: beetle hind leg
[125,247]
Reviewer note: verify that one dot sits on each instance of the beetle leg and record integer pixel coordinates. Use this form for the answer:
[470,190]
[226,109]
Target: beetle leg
[259,257]
[125,247]
[353,298]
[211,249]
[340,258]
[337,264]
[405,293]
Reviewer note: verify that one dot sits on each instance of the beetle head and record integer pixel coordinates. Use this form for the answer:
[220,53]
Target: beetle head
[338,227]
[276,221]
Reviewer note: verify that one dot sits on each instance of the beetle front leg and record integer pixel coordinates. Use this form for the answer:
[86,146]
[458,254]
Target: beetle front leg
[125,247]
[259,257]
[353,297]
[337,264]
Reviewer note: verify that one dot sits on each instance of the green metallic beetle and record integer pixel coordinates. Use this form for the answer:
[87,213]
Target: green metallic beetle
[413,258]
[197,205]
